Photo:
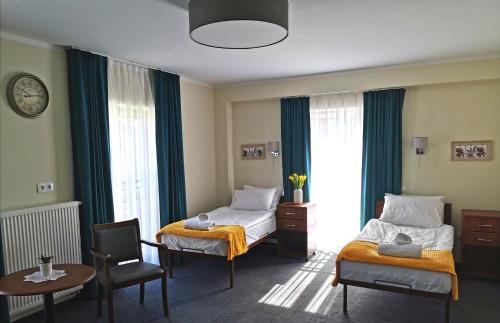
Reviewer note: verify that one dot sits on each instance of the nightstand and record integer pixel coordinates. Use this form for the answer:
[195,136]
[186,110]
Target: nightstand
[296,225]
[481,243]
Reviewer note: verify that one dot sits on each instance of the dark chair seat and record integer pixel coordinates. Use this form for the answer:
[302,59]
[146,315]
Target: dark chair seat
[133,271]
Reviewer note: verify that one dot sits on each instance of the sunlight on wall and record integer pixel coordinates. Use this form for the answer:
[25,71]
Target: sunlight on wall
[285,295]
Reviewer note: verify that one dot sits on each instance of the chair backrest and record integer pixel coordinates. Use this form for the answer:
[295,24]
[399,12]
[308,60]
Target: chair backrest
[121,240]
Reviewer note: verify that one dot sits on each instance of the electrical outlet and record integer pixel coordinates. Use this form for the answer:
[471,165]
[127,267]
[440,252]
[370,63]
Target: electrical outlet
[44,187]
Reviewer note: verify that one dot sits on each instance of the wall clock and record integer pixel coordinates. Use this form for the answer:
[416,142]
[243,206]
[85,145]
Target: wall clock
[27,95]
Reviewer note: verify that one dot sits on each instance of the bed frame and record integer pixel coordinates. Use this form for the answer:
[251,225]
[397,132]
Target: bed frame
[201,253]
[407,289]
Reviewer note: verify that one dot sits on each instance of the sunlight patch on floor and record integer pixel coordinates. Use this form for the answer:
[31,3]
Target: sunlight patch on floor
[285,295]
[323,293]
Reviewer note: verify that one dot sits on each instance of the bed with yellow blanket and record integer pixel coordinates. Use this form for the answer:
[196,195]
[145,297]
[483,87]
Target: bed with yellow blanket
[236,231]
[432,275]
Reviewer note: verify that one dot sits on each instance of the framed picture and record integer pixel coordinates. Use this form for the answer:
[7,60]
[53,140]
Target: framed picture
[254,151]
[471,150]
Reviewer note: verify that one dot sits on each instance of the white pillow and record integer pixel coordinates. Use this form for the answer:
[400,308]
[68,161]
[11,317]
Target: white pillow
[412,210]
[253,200]
[277,195]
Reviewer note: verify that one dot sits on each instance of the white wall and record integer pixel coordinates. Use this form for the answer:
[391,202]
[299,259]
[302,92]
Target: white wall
[256,122]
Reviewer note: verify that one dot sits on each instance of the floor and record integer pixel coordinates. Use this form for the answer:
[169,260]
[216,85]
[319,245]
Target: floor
[274,289]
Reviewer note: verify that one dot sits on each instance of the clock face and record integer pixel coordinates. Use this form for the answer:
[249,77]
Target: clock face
[28,96]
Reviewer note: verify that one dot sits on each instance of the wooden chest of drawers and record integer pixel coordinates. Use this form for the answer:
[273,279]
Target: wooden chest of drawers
[481,243]
[296,224]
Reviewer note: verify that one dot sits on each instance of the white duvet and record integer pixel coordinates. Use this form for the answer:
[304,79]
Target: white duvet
[377,231]
[244,218]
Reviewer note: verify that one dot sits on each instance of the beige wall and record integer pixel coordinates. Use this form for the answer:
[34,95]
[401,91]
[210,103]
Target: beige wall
[459,101]
[199,146]
[39,150]
[34,150]
[446,113]
[256,122]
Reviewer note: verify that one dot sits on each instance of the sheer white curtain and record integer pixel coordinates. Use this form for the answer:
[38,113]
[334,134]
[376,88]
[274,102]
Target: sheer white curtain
[133,149]
[336,153]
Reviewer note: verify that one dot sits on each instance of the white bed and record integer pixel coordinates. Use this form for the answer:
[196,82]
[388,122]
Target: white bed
[422,280]
[257,224]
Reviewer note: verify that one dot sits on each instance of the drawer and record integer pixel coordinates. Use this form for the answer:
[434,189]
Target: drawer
[292,225]
[481,224]
[472,238]
[292,213]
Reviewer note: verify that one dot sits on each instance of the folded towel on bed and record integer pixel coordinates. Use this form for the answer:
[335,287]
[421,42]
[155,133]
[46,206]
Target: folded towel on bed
[195,223]
[402,239]
[204,217]
[407,250]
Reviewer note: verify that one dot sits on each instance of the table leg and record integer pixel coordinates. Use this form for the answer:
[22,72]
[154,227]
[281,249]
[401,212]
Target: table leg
[48,304]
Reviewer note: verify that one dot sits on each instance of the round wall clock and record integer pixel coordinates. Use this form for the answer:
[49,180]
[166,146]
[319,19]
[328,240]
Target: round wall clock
[27,95]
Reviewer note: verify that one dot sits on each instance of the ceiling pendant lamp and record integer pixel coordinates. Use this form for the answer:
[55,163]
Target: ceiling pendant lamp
[238,24]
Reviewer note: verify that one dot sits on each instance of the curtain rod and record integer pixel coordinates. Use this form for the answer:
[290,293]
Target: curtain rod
[342,92]
[123,60]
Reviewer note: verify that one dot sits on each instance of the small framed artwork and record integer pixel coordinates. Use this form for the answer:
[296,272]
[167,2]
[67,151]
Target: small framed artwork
[472,150]
[253,151]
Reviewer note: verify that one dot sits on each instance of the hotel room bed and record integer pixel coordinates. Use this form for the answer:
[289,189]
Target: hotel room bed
[401,279]
[415,279]
[258,225]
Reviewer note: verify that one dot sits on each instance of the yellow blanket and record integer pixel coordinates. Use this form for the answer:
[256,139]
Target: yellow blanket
[432,260]
[233,234]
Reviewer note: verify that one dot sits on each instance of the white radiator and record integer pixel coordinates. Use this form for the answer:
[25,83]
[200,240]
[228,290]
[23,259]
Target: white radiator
[52,230]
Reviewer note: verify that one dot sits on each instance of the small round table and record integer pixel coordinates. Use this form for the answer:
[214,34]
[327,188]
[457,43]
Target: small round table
[14,284]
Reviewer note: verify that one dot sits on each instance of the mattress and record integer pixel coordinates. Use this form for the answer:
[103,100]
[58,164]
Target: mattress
[417,279]
[257,224]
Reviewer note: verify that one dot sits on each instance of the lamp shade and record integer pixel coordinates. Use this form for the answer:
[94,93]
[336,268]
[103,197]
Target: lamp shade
[238,24]
[419,142]
[273,146]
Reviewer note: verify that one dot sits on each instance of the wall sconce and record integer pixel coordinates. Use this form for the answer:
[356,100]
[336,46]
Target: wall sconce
[274,149]
[419,144]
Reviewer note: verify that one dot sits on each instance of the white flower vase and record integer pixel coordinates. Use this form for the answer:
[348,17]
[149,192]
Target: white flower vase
[298,196]
[46,269]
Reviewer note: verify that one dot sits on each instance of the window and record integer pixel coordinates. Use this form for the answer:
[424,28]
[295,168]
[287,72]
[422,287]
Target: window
[133,149]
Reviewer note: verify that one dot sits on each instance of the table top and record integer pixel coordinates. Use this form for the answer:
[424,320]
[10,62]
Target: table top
[14,284]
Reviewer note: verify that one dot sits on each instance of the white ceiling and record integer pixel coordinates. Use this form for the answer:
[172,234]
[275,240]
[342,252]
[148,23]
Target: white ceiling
[325,35]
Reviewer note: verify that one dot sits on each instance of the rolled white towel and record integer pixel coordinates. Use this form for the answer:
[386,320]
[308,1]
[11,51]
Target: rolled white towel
[196,224]
[404,250]
[203,217]
[402,239]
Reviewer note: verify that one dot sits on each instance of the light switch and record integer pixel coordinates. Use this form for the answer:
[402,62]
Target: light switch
[44,187]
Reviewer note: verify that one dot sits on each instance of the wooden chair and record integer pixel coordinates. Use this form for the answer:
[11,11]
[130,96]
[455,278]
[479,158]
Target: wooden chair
[118,242]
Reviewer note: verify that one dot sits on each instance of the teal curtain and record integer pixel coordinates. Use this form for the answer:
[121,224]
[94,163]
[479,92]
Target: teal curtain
[4,307]
[169,149]
[296,142]
[382,148]
[88,95]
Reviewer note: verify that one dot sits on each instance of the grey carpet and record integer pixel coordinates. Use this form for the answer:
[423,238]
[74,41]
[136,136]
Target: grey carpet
[274,289]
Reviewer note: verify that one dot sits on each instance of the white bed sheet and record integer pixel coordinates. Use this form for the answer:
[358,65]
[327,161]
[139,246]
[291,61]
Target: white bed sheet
[423,280]
[256,224]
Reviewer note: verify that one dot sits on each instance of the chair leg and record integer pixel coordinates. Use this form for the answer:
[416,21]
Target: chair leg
[344,307]
[99,297]
[141,296]
[170,265]
[111,318]
[231,273]
[164,294]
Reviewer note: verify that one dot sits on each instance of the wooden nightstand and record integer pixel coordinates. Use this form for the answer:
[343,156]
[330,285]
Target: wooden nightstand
[481,243]
[296,225]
